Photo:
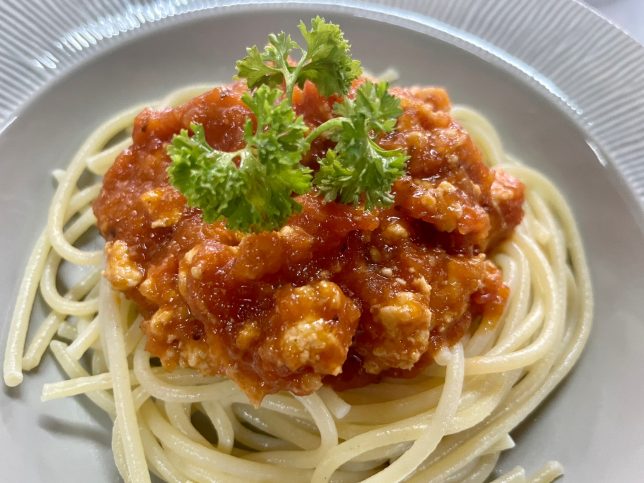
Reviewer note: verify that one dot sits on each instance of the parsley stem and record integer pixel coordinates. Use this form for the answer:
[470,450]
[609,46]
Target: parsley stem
[292,79]
[333,123]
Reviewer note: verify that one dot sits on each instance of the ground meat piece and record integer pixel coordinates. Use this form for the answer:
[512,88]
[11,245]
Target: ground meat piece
[405,318]
[164,206]
[445,206]
[122,272]
[314,325]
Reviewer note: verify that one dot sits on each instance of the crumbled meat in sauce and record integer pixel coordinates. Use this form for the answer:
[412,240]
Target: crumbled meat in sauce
[338,295]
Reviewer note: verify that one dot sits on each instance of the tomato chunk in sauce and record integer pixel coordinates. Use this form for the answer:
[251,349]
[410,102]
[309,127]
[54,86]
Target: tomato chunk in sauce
[339,295]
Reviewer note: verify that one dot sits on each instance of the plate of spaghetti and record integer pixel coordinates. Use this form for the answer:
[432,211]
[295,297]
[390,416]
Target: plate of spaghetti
[320,243]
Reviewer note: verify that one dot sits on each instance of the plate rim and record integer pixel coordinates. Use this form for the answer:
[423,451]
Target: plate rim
[609,114]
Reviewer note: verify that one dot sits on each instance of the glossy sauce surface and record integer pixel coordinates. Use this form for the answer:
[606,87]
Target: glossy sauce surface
[338,295]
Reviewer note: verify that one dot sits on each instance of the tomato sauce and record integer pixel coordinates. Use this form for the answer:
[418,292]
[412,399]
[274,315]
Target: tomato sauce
[339,295]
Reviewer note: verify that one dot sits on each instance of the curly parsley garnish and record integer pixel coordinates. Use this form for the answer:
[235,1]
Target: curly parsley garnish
[326,61]
[253,188]
[357,166]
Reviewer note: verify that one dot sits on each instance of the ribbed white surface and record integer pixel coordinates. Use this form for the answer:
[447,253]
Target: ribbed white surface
[597,69]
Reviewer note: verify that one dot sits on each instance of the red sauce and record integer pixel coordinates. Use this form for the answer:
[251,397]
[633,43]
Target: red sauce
[338,295]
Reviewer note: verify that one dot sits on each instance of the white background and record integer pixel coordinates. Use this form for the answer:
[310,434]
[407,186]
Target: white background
[626,14]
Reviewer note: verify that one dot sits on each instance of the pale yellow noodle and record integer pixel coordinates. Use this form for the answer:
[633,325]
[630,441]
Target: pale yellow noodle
[126,419]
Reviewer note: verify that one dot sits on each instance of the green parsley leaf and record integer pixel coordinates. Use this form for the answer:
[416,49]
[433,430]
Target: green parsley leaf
[269,67]
[358,168]
[209,179]
[251,188]
[278,145]
[373,103]
[326,61]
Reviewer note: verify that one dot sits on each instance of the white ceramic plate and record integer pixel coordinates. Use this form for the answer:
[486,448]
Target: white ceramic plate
[563,86]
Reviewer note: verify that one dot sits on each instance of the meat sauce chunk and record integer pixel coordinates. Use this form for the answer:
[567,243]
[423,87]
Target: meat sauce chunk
[338,295]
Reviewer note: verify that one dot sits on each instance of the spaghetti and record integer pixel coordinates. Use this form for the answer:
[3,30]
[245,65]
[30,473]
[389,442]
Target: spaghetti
[450,423]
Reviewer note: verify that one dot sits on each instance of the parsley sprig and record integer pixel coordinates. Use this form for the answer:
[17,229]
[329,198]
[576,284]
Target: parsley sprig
[357,166]
[326,61]
[253,188]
